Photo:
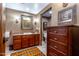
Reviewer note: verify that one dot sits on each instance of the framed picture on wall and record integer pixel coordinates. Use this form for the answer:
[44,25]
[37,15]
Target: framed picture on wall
[26,22]
[67,16]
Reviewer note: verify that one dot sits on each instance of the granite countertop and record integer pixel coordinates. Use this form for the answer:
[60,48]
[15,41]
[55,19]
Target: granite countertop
[24,33]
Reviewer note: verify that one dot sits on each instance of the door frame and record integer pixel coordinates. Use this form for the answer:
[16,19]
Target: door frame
[50,8]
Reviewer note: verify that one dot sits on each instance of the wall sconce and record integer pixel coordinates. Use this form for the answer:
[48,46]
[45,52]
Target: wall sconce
[65,4]
[35,23]
[16,21]
[16,17]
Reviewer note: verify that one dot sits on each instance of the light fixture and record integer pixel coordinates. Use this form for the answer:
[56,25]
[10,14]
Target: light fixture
[50,12]
[17,18]
[27,9]
[16,21]
[65,4]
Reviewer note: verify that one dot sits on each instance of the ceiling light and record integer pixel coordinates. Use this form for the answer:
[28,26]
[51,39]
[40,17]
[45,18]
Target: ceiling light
[27,9]
[50,12]
[35,5]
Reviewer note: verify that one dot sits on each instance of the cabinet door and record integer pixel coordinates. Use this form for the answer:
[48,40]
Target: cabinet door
[37,37]
[24,41]
[16,42]
[31,40]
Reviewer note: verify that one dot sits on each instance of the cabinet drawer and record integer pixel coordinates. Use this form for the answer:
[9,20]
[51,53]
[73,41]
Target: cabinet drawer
[53,52]
[36,43]
[24,36]
[57,31]
[17,46]
[17,41]
[24,43]
[59,38]
[17,37]
[58,46]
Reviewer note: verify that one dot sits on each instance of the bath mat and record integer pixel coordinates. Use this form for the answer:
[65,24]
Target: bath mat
[33,51]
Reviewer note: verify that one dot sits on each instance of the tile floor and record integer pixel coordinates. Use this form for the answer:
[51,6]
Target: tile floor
[42,47]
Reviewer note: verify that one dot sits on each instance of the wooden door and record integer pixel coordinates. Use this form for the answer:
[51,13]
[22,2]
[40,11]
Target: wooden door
[2,31]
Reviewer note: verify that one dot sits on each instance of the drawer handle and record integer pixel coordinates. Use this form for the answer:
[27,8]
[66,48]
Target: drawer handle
[55,31]
[55,38]
[55,54]
[55,46]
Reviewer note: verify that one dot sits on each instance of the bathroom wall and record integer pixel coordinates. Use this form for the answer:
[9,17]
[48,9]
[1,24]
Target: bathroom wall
[13,27]
[12,16]
[56,7]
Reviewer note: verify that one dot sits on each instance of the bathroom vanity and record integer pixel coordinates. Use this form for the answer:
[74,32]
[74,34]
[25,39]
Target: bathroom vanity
[21,41]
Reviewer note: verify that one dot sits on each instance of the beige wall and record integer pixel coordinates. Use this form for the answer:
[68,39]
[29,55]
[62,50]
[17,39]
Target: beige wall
[12,26]
[56,7]
[77,15]
[12,16]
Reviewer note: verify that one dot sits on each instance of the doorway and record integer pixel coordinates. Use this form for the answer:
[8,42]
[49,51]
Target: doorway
[45,22]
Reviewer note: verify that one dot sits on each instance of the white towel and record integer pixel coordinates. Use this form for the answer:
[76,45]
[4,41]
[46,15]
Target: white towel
[7,34]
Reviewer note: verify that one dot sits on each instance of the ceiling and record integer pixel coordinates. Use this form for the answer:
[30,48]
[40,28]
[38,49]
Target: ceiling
[27,7]
[47,13]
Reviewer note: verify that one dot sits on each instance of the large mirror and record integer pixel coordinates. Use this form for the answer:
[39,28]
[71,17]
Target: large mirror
[26,22]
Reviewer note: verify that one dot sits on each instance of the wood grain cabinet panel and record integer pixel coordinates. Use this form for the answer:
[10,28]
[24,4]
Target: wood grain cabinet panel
[53,52]
[17,42]
[63,41]
[31,40]
[37,38]
[58,46]
[25,41]
[58,38]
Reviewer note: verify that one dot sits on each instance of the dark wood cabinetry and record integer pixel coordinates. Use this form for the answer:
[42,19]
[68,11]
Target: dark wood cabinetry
[17,42]
[31,40]
[24,41]
[37,39]
[63,40]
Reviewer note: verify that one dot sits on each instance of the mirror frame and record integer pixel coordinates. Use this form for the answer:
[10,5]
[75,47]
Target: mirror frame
[31,23]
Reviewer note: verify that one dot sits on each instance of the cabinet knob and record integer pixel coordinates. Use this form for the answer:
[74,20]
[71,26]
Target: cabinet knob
[55,31]
[55,38]
[55,46]
[55,54]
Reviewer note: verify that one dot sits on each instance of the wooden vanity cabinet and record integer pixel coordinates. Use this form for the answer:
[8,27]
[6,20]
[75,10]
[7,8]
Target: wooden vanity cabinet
[37,38]
[31,40]
[17,42]
[24,41]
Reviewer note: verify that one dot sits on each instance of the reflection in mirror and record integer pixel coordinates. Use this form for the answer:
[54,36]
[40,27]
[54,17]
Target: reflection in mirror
[26,22]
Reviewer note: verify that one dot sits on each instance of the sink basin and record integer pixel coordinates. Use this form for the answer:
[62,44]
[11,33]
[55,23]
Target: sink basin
[27,33]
